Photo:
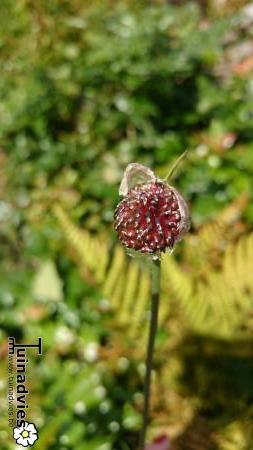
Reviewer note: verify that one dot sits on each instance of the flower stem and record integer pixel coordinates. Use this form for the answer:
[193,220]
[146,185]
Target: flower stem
[155,276]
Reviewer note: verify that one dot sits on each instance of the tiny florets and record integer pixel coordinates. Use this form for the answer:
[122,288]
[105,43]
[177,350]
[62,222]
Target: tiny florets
[151,217]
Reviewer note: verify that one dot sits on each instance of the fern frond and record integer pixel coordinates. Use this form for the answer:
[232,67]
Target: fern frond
[115,271]
[228,293]
[129,297]
[122,282]
[235,437]
[175,280]
[220,303]
[141,305]
[83,244]
[213,237]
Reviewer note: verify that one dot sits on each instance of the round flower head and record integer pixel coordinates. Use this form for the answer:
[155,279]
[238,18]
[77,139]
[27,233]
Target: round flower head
[152,216]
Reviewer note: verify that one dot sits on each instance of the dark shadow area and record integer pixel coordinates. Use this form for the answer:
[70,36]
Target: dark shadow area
[220,375]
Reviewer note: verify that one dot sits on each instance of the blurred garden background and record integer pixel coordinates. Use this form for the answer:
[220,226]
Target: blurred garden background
[86,88]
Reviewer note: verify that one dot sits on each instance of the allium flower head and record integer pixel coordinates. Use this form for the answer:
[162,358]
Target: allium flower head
[152,216]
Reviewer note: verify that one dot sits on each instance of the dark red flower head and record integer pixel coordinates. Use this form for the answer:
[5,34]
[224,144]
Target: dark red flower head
[152,215]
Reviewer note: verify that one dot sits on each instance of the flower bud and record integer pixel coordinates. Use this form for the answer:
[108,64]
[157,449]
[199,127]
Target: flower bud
[152,216]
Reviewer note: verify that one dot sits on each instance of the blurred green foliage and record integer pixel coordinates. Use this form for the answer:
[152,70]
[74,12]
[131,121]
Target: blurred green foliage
[87,88]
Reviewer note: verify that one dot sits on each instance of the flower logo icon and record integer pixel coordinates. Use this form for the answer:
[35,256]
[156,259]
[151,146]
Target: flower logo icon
[25,435]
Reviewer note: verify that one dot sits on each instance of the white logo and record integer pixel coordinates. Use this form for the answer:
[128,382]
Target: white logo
[25,435]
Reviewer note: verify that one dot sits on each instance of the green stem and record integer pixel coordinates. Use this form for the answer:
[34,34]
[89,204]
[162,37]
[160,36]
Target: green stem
[155,275]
